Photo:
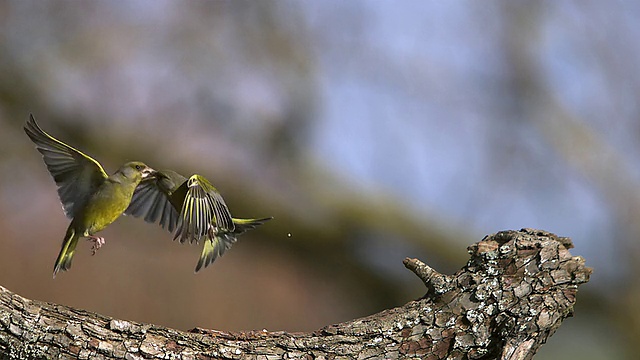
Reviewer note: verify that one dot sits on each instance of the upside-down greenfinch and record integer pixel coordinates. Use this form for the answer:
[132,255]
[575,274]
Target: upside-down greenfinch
[193,208]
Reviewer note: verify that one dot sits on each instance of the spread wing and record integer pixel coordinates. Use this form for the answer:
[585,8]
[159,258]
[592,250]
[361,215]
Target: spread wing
[203,211]
[76,174]
[152,203]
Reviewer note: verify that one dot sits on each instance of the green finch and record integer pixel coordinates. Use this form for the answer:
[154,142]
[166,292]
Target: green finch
[90,197]
[193,208]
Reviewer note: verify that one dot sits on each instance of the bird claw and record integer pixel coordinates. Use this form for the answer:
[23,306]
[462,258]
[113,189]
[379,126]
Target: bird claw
[97,244]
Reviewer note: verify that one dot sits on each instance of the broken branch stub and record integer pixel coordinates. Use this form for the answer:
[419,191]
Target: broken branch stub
[514,292]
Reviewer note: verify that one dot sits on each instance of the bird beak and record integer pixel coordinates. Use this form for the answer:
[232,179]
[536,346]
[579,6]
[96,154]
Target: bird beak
[148,172]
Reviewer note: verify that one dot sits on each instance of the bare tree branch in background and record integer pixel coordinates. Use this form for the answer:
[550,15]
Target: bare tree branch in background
[514,292]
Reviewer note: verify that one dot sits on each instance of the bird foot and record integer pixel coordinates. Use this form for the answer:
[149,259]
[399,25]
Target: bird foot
[97,243]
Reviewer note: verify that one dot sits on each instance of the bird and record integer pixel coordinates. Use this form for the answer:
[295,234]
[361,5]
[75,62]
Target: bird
[193,208]
[90,198]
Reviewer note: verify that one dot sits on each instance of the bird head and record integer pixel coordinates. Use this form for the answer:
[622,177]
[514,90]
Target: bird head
[136,169]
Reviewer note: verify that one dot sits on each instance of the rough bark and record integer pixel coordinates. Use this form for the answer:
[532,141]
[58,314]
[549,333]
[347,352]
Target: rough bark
[514,292]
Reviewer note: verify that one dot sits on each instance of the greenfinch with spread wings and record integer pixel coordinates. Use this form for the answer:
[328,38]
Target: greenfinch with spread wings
[193,209]
[90,197]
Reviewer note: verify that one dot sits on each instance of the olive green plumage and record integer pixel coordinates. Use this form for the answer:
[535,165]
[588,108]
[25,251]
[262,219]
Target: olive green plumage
[193,208]
[90,197]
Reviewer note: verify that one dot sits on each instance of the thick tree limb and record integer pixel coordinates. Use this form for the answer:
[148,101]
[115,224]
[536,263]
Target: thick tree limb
[514,292]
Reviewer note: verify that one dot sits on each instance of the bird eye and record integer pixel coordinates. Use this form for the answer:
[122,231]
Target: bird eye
[138,167]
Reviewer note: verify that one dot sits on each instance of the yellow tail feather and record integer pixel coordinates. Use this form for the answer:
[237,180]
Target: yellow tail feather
[63,262]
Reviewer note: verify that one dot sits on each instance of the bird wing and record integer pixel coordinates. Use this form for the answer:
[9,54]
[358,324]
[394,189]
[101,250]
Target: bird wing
[153,204]
[76,174]
[202,209]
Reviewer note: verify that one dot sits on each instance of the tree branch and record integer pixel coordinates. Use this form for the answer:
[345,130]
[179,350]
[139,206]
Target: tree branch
[514,292]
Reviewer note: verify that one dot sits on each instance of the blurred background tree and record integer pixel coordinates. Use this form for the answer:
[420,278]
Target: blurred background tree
[371,131]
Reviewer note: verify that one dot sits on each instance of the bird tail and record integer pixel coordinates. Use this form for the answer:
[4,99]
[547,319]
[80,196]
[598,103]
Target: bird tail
[242,225]
[216,243]
[63,262]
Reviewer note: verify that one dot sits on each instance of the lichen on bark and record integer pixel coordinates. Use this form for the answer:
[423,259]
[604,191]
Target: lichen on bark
[513,293]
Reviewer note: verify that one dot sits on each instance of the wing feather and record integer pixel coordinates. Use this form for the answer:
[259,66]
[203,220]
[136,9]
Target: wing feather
[221,216]
[76,174]
[151,203]
[198,213]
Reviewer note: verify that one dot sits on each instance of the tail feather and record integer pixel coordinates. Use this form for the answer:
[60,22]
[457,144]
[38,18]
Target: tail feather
[63,262]
[217,243]
[243,225]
